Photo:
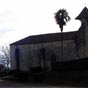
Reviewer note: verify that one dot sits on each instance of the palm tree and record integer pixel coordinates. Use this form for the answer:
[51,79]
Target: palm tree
[61,17]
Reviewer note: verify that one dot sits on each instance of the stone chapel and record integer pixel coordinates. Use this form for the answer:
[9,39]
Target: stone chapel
[43,50]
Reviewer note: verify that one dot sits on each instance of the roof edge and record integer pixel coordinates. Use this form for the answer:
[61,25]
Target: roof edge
[42,38]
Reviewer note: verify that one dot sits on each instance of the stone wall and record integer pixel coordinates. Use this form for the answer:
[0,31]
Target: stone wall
[83,51]
[30,53]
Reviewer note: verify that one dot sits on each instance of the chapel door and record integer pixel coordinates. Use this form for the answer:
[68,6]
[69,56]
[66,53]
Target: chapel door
[42,57]
[53,61]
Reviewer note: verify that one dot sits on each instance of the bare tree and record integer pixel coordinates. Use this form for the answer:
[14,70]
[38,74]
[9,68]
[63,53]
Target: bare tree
[5,56]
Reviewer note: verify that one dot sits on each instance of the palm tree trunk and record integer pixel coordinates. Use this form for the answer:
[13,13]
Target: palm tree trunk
[62,45]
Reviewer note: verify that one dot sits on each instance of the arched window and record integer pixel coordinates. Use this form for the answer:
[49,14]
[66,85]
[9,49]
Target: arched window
[17,58]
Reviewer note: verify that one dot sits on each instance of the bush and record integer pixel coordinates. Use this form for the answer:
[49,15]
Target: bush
[36,69]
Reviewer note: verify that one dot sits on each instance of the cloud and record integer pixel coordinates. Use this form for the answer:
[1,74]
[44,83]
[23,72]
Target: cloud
[4,31]
[5,13]
[7,22]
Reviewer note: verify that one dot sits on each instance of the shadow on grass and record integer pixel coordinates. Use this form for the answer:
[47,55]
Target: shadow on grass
[61,78]
[68,78]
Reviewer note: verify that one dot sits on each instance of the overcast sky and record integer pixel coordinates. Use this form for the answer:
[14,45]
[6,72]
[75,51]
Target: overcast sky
[22,18]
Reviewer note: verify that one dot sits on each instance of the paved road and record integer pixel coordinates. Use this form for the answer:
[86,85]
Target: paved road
[11,84]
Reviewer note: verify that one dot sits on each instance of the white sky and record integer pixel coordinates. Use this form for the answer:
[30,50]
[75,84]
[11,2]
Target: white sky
[22,18]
